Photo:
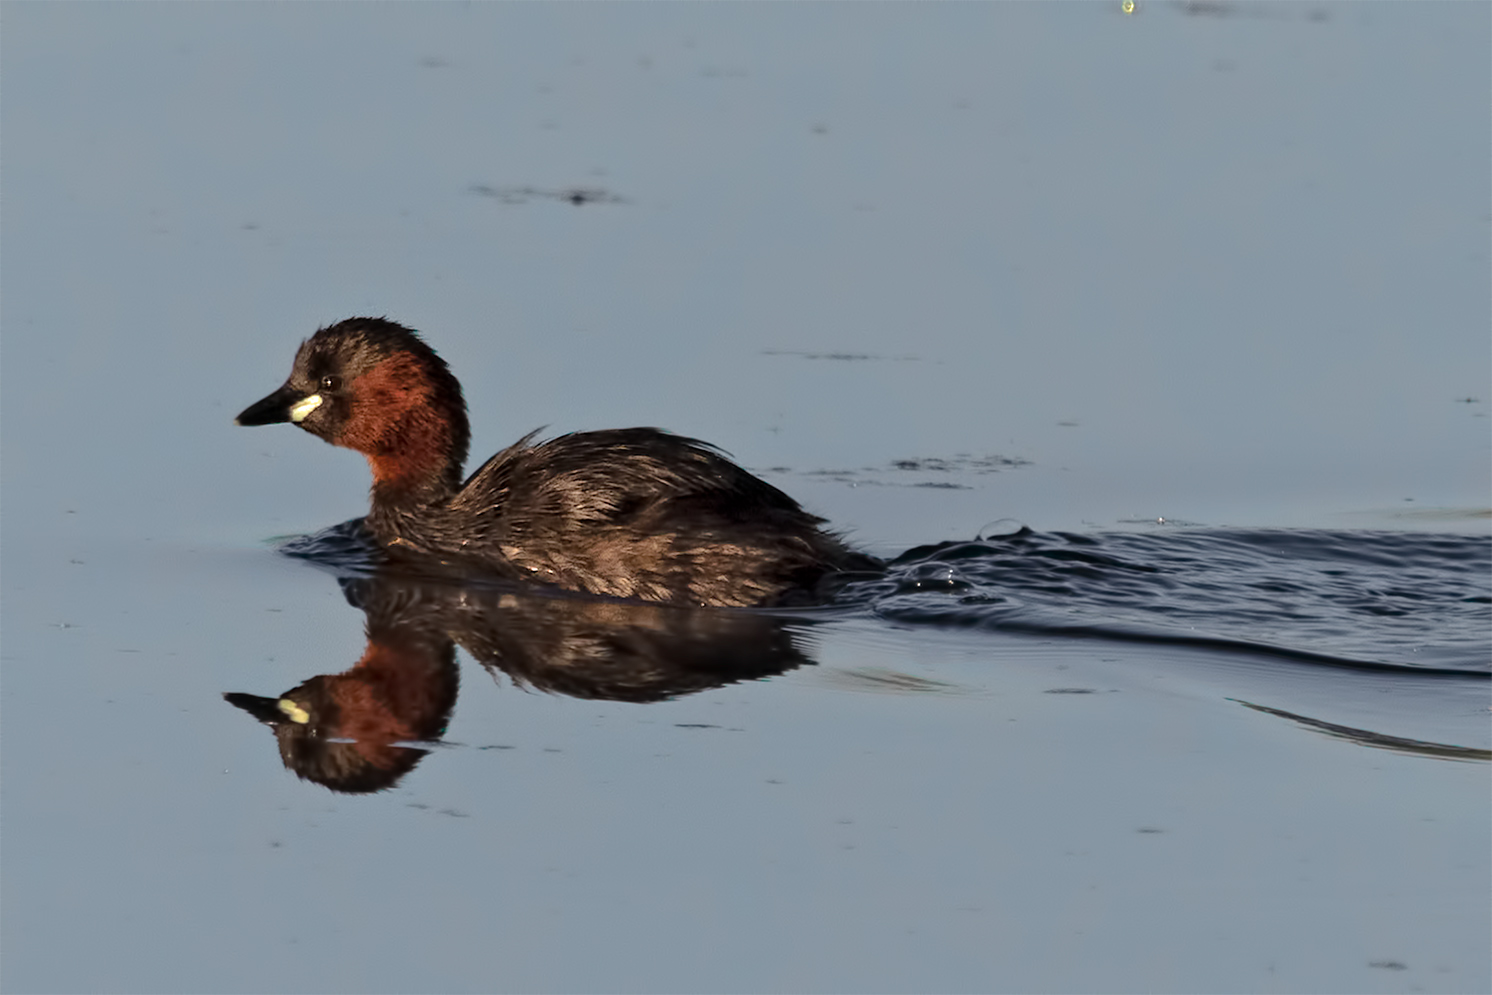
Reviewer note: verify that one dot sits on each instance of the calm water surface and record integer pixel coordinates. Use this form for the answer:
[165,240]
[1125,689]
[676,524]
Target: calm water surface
[1152,349]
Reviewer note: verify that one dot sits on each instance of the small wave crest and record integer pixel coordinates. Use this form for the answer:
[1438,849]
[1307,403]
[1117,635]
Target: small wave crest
[1377,599]
[347,549]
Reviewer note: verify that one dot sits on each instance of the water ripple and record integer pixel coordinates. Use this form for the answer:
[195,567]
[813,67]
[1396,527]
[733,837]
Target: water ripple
[1422,601]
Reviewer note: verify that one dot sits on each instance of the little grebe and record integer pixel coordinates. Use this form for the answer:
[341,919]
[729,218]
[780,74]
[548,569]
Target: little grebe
[635,513]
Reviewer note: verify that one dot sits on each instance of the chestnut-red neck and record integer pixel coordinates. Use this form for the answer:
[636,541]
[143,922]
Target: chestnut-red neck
[410,429]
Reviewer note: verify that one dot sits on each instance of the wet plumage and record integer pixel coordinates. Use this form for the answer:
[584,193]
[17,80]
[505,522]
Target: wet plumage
[636,512]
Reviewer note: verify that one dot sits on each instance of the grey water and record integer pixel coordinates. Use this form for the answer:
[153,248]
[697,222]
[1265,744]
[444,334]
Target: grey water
[1148,345]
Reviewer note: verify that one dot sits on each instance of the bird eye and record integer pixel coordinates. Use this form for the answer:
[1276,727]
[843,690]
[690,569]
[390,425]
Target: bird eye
[331,383]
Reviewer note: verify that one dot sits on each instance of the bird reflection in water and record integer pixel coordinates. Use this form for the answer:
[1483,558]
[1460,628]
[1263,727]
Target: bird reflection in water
[353,732]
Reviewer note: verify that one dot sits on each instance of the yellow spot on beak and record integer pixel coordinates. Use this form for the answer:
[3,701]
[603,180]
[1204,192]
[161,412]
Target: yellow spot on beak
[293,711]
[300,409]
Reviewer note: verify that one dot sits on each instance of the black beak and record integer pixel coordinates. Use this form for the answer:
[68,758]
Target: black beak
[266,710]
[273,410]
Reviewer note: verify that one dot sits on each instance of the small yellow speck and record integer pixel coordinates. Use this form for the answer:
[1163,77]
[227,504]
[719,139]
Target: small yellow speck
[300,409]
[1128,6]
[293,711]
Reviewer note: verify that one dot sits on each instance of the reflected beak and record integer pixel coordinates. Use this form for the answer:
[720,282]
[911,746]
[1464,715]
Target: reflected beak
[284,405]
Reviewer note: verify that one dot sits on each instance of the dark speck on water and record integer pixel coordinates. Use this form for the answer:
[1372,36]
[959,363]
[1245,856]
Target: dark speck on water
[577,196]
[849,357]
[959,463]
